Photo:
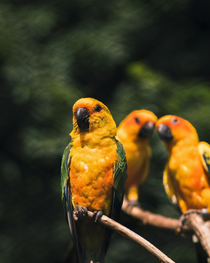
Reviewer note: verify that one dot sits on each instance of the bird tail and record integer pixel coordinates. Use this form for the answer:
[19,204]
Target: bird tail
[94,258]
[70,255]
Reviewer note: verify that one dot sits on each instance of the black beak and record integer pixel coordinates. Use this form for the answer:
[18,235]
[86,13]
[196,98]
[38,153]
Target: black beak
[82,117]
[147,130]
[165,133]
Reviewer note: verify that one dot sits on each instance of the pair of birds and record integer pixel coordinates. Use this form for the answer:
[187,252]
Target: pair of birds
[94,169]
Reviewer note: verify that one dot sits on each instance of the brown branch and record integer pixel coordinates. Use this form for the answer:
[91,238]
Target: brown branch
[149,219]
[193,223]
[127,233]
[201,228]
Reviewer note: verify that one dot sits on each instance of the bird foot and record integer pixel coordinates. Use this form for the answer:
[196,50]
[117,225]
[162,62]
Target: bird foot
[97,215]
[203,212]
[131,203]
[80,212]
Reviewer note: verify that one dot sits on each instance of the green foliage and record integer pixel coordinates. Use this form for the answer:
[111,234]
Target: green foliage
[128,54]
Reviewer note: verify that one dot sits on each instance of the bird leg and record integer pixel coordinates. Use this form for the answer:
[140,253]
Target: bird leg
[132,197]
[203,212]
[132,203]
[80,212]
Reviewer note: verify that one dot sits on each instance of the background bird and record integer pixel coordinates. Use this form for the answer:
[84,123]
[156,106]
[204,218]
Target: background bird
[135,132]
[186,176]
[93,175]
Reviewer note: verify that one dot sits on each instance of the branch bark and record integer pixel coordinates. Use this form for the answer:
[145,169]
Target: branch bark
[149,219]
[127,233]
[193,223]
[201,229]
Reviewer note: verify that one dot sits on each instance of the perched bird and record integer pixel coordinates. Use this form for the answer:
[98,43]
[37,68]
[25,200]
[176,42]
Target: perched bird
[186,177]
[134,132]
[93,175]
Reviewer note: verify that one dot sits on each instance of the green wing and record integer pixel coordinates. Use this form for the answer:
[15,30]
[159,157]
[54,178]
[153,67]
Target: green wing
[64,180]
[66,197]
[65,168]
[204,150]
[120,177]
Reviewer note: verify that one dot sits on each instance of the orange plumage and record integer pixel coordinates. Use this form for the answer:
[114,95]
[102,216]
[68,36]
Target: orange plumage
[186,176]
[93,159]
[93,175]
[135,132]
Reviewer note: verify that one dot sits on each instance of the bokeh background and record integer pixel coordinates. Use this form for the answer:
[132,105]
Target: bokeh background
[128,54]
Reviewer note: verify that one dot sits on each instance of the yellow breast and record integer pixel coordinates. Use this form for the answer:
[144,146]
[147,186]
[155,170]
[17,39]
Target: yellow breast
[92,176]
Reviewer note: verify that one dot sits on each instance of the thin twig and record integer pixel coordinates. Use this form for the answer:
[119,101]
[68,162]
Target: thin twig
[127,233]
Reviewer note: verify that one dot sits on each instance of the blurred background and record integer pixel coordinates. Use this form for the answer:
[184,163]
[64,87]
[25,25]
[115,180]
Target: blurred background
[128,54]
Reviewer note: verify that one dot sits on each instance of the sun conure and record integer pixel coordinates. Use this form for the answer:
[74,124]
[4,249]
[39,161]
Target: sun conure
[186,176]
[135,132]
[93,175]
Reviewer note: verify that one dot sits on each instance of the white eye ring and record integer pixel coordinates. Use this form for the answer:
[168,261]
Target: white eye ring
[174,120]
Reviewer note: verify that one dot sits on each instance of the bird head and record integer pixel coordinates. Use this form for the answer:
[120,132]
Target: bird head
[91,115]
[138,125]
[173,129]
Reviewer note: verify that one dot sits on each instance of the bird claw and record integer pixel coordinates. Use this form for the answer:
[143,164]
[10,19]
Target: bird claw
[133,203]
[184,217]
[80,212]
[97,215]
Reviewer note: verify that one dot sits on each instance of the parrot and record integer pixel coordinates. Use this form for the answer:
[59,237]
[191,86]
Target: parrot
[134,132]
[186,177]
[93,176]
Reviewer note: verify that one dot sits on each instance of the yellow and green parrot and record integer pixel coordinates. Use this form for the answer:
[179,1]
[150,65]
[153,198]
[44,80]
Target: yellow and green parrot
[93,176]
[134,132]
[186,177]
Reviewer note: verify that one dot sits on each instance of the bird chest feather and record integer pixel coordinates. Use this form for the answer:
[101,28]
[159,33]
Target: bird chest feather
[92,177]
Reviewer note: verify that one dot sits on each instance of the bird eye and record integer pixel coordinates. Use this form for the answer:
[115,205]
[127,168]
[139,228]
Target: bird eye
[97,108]
[174,120]
[137,120]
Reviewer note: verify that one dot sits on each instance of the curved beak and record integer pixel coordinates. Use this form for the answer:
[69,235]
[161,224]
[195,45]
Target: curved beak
[82,117]
[147,130]
[164,132]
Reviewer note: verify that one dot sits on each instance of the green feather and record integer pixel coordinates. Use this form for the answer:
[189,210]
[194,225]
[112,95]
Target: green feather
[65,167]
[204,151]
[120,176]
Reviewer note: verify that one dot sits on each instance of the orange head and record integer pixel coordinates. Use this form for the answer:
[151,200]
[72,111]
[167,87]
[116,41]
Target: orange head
[173,130]
[91,115]
[137,126]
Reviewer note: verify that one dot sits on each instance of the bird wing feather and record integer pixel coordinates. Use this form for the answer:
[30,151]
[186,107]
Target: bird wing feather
[204,151]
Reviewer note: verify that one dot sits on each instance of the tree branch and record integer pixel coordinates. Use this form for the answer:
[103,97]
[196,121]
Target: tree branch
[127,233]
[201,229]
[193,223]
[149,219]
